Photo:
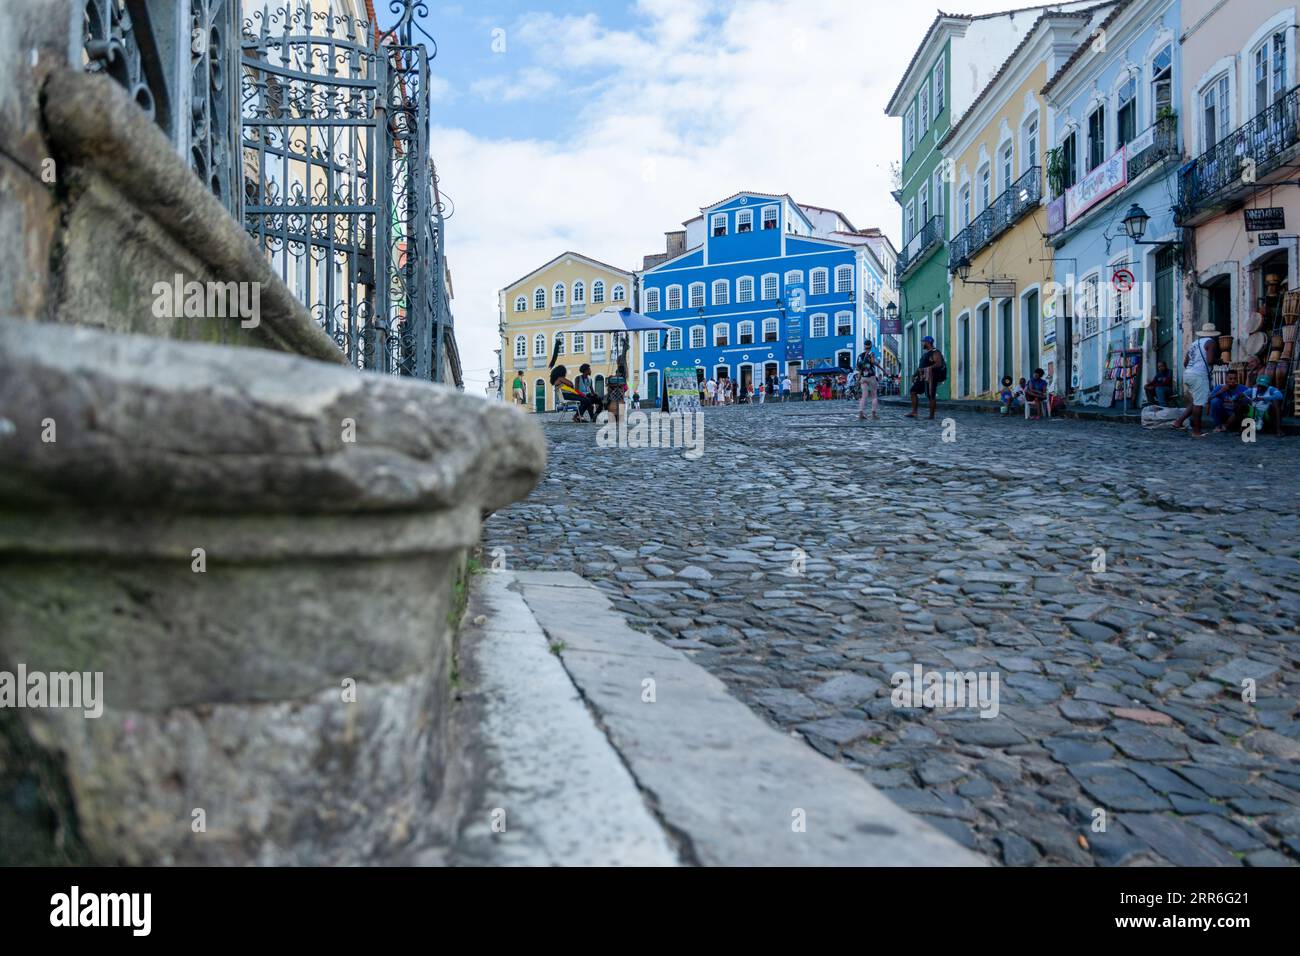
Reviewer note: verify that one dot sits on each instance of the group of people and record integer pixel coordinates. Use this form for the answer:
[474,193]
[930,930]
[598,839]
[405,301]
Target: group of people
[724,391]
[581,391]
[1033,392]
[1230,403]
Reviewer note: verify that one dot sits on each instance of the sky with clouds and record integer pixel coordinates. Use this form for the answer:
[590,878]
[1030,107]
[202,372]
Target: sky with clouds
[598,126]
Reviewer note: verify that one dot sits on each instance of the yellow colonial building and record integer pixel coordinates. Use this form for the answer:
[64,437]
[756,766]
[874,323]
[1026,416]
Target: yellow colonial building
[540,308]
[1002,319]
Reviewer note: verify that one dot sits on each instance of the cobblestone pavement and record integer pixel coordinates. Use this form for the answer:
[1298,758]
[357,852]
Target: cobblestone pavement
[1120,690]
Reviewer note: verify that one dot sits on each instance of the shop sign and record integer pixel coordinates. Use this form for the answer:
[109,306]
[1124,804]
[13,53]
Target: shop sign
[1266,219]
[1268,238]
[1111,176]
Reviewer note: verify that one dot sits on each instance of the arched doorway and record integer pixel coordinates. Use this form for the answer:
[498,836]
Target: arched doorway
[539,395]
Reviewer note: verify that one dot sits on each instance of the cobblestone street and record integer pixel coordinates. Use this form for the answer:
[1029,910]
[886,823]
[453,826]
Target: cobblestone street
[806,557]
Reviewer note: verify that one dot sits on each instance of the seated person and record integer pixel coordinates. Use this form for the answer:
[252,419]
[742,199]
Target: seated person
[1228,405]
[1265,404]
[1036,393]
[1006,395]
[1018,396]
[1160,388]
[568,392]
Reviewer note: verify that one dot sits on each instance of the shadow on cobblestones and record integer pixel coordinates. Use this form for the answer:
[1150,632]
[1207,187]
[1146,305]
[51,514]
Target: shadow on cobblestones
[1130,591]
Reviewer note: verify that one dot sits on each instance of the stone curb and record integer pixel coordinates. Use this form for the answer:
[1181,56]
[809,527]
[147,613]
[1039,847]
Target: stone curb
[734,790]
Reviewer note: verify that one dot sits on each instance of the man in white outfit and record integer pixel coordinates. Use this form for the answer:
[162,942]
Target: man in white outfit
[1198,361]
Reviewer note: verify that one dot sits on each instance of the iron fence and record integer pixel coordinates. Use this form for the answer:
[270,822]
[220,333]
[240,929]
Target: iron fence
[1010,206]
[312,128]
[930,235]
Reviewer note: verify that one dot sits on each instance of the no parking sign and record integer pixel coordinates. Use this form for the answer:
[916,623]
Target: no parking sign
[1122,280]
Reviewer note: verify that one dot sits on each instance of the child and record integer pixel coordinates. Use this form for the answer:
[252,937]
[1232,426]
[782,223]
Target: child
[1006,396]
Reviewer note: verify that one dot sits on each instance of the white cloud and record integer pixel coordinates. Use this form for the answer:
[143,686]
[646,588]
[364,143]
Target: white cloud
[772,95]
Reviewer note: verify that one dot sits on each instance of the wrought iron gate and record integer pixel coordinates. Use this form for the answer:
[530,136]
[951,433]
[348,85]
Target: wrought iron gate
[324,121]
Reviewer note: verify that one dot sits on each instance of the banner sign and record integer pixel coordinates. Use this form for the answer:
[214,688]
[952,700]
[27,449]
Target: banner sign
[1056,215]
[793,338]
[890,326]
[683,389]
[1143,142]
[796,297]
[1267,219]
[1109,177]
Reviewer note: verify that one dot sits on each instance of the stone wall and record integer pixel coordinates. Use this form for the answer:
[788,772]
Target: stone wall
[257,548]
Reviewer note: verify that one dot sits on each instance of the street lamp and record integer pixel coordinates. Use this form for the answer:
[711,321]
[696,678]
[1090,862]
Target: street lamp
[963,269]
[891,312]
[1135,222]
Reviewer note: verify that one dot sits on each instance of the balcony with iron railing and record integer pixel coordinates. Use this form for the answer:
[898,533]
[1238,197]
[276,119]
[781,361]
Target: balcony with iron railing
[929,238]
[1011,205]
[1157,143]
[1239,160]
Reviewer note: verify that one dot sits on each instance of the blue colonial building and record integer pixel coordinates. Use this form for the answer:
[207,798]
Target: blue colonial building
[1117,145]
[757,286]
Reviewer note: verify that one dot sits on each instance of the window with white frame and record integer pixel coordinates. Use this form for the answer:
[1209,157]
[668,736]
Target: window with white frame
[539,299]
[938,191]
[620,293]
[909,221]
[521,303]
[769,217]
[1089,304]
[521,346]
[1269,66]
[923,123]
[922,206]
[652,341]
[818,324]
[559,343]
[539,345]
[793,277]
[770,330]
[674,340]
[843,323]
[1029,144]
[1162,82]
[651,299]
[557,294]
[745,220]
[770,290]
[1006,165]
[986,188]
[1096,137]
[938,87]
[745,289]
[697,336]
[579,342]
[1216,111]
[1126,112]
[721,292]
[674,297]
[721,334]
[745,333]
[697,295]
[579,293]
[818,280]
[598,343]
[719,221]
[909,132]
[598,291]
[963,207]
[844,278]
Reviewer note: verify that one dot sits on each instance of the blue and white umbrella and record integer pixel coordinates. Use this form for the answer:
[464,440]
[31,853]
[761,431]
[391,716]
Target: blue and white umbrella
[619,320]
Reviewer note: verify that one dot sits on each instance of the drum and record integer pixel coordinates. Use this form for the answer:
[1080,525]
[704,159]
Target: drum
[1255,323]
[1274,355]
[1286,350]
[1256,343]
[1276,342]
[1225,343]
[1288,333]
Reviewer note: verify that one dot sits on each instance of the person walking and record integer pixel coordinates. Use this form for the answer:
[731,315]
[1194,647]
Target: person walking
[1197,363]
[517,387]
[931,372]
[868,380]
[785,389]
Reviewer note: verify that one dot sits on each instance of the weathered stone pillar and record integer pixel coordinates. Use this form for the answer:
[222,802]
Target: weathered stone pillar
[259,553]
